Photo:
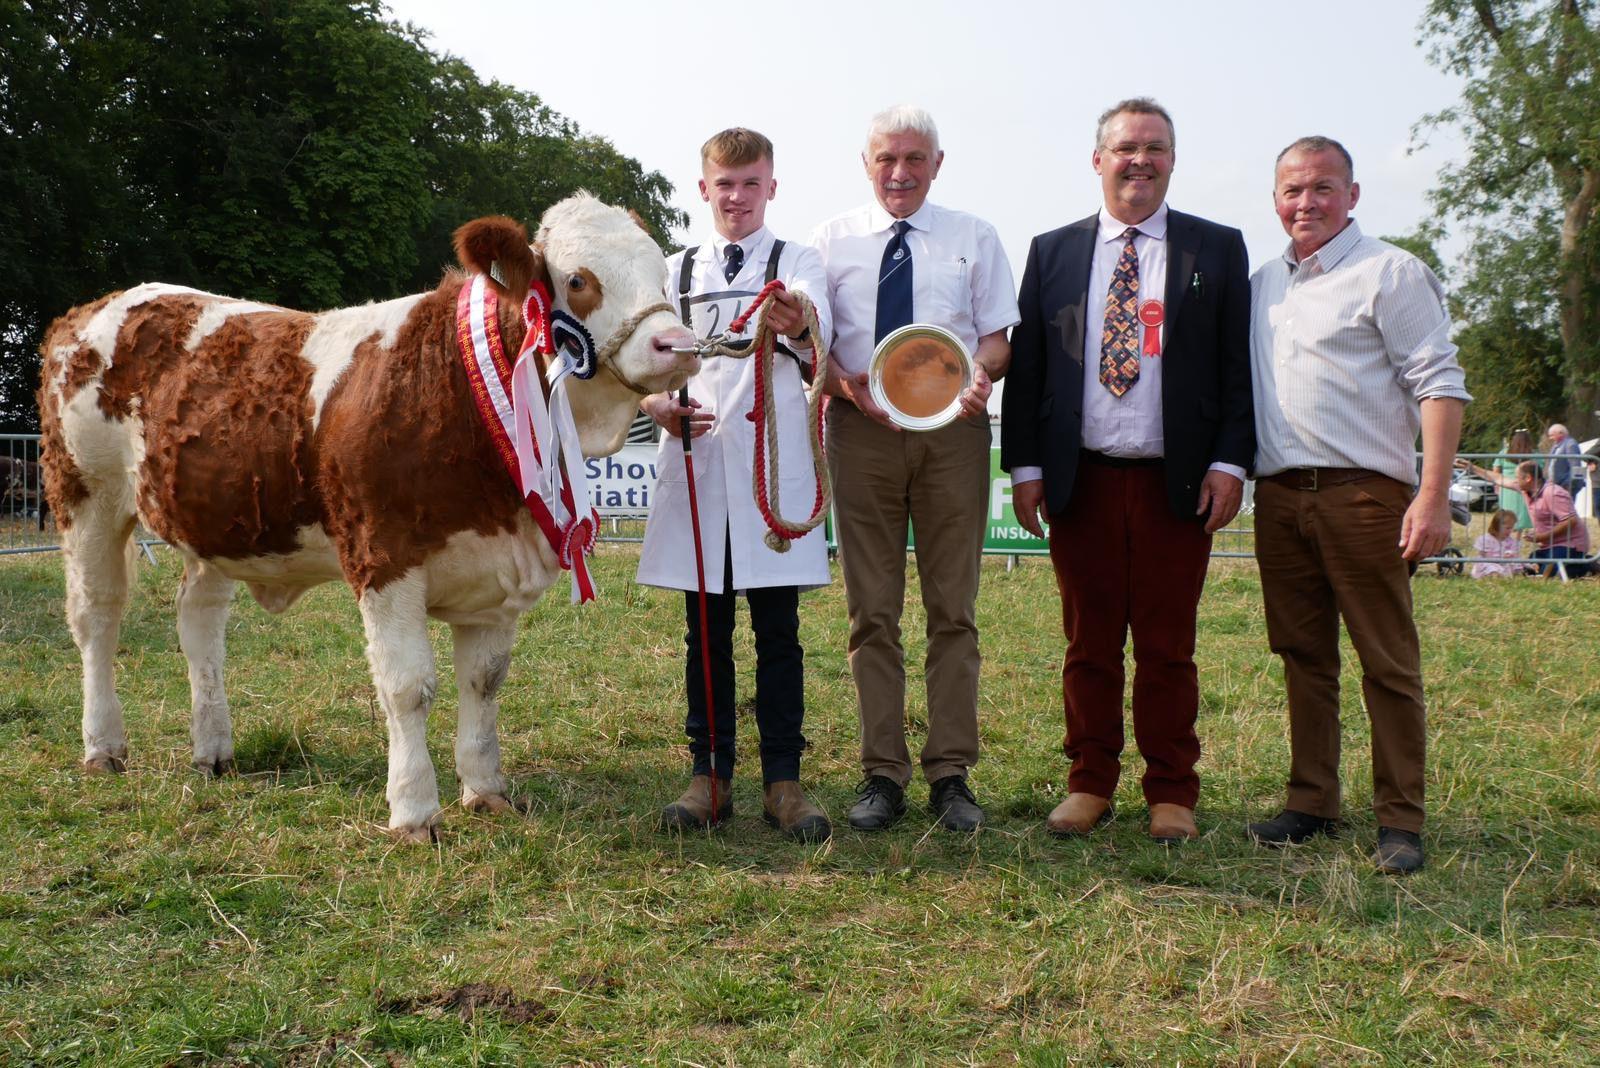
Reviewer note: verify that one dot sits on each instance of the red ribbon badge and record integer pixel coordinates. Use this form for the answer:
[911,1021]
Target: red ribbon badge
[1152,313]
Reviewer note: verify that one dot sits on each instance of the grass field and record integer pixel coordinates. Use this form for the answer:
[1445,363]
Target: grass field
[157,918]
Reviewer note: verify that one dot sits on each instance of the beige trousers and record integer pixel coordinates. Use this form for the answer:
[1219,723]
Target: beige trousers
[938,481]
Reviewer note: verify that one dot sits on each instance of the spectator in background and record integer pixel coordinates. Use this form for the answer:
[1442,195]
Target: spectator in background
[1558,532]
[1563,472]
[1518,448]
[1498,543]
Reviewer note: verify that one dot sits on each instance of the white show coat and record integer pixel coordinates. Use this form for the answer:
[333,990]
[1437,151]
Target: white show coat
[724,456]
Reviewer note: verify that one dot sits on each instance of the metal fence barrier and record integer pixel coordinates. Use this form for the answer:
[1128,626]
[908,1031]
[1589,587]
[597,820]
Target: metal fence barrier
[26,525]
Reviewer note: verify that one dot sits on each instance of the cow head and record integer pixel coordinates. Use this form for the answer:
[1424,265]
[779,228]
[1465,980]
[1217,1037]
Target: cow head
[603,269]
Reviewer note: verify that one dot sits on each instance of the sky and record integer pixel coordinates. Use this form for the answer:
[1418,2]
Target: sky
[1015,88]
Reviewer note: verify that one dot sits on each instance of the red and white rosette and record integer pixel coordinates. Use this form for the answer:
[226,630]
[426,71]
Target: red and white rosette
[1152,313]
[538,442]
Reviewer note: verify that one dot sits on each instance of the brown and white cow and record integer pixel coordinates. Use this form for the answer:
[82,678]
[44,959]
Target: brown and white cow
[284,449]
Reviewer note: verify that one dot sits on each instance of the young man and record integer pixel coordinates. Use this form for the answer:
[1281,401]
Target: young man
[713,283]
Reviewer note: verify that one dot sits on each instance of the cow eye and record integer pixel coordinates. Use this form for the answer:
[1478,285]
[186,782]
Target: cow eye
[576,282]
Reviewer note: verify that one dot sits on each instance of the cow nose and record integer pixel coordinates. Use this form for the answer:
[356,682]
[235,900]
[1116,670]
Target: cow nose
[666,340]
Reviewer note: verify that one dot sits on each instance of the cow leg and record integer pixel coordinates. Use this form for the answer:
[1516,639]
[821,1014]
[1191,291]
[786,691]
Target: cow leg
[203,599]
[482,656]
[401,656]
[97,546]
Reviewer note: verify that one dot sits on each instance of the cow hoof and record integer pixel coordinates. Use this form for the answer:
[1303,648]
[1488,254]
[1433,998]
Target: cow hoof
[493,804]
[425,835]
[212,769]
[105,764]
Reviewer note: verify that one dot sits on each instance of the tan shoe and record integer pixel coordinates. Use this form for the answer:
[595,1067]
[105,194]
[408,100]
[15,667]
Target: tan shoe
[692,810]
[1171,824]
[787,808]
[1079,814]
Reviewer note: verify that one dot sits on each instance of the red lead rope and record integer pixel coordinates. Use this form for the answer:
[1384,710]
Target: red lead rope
[778,528]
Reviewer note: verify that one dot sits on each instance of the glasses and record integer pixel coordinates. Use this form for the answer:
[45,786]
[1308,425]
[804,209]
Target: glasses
[1128,150]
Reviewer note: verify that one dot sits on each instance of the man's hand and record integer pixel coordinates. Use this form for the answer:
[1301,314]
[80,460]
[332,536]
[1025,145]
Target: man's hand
[1027,501]
[1426,527]
[783,313]
[854,388]
[668,414]
[1222,493]
[975,398]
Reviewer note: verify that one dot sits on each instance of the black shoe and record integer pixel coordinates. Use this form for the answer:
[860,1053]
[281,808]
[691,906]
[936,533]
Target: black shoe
[1291,828]
[880,805]
[1399,852]
[952,801]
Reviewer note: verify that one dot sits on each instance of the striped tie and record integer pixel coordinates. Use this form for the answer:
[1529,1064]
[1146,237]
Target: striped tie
[1119,338]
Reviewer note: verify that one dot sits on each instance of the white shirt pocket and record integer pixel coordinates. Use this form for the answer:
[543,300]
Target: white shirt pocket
[948,300]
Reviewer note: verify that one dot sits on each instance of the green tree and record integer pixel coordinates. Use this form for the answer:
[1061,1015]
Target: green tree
[1530,113]
[302,152]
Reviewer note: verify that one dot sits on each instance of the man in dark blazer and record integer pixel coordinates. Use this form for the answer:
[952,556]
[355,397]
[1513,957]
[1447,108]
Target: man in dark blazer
[1127,422]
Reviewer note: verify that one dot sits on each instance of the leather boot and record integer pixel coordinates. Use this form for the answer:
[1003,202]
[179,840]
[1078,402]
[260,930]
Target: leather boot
[1171,824]
[692,810]
[1079,814]
[788,809]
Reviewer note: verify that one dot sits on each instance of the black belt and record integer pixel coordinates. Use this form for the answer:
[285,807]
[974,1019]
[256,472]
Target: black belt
[1093,457]
[1312,479]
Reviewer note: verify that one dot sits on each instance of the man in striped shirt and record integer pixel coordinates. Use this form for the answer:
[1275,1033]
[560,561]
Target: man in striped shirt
[1350,357]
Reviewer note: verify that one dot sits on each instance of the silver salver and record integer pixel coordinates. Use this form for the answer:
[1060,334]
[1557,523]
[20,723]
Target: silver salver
[917,375]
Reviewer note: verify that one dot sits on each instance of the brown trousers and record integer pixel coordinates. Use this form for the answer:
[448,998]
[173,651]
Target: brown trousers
[1124,563]
[1329,553]
[939,481]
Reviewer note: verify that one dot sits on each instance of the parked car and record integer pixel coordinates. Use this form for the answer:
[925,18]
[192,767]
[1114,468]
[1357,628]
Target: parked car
[1478,494]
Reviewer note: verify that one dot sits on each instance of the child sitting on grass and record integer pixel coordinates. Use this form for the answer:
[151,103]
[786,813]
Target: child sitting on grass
[1499,542]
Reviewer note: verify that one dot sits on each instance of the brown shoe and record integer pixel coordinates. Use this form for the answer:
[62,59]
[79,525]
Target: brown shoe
[1171,824]
[1079,814]
[788,809]
[692,811]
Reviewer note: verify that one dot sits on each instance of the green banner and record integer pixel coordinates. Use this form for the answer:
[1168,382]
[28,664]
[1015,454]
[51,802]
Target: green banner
[1002,535]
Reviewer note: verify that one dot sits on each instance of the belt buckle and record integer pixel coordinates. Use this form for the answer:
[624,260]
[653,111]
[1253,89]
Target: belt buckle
[1308,479]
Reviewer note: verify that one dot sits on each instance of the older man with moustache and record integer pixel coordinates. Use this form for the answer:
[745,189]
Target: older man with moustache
[1351,356]
[1136,454]
[894,261]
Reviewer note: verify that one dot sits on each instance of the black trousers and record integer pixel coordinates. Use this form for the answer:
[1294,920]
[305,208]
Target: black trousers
[780,676]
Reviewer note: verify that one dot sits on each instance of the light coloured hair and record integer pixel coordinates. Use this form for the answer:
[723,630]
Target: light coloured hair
[903,118]
[1318,143]
[1134,105]
[1557,428]
[736,147]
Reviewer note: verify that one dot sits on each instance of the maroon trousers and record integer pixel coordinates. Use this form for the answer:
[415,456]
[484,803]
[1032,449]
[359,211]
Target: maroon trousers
[1124,561]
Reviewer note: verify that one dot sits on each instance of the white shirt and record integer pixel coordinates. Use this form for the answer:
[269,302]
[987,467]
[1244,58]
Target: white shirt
[960,277]
[1129,425]
[1344,346]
